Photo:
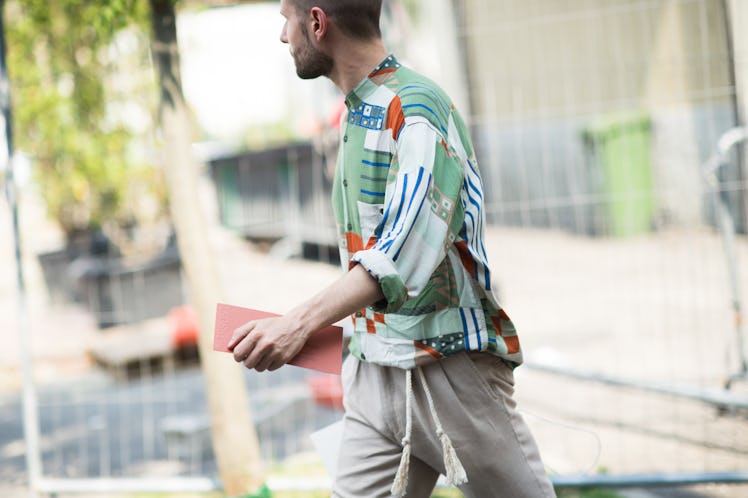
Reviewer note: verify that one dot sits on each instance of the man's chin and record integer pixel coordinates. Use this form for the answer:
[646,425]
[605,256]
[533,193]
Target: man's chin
[305,74]
[312,68]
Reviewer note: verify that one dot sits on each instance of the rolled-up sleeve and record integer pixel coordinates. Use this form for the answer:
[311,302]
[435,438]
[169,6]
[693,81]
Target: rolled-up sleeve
[420,216]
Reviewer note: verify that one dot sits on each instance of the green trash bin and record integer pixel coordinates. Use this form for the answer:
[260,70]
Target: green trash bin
[619,147]
[226,177]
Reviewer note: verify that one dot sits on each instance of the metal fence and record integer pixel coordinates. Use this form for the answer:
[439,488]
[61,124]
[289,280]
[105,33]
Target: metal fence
[604,133]
[280,194]
[143,426]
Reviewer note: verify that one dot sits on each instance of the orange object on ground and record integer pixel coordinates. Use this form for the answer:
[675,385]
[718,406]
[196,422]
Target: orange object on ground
[185,327]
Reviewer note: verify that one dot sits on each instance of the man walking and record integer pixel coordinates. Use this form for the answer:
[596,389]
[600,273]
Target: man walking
[429,383]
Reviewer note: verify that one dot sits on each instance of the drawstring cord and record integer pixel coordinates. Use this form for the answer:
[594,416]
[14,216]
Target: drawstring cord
[455,472]
[401,478]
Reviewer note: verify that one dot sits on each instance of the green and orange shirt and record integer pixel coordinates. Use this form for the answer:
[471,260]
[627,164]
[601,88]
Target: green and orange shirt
[408,202]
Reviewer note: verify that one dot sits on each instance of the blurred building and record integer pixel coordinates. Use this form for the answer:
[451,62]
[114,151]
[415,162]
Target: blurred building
[549,80]
[593,116]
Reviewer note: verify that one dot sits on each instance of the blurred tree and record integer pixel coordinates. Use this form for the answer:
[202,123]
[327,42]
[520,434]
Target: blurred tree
[59,54]
[59,58]
[234,439]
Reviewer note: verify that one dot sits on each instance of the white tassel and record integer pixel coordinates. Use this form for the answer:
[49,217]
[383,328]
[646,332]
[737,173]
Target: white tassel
[453,467]
[400,485]
[455,471]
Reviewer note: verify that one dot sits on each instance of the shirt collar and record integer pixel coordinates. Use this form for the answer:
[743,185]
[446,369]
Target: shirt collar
[368,85]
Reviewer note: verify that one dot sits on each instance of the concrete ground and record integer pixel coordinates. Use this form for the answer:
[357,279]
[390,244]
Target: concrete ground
[648,308]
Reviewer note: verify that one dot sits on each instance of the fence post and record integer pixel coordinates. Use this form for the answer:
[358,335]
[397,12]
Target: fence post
[30,411]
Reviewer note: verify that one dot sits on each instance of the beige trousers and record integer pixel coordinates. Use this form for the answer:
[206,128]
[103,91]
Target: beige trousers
[472,394]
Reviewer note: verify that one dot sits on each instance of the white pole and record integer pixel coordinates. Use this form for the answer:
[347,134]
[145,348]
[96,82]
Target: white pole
[442,16]
[30,411]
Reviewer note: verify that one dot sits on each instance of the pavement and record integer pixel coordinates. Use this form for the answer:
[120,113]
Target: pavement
[653,307]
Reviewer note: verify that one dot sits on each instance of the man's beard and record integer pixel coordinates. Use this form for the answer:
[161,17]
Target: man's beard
[310,62]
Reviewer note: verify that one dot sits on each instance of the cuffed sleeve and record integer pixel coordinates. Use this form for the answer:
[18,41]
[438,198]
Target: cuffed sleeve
[418,222]
[381,268]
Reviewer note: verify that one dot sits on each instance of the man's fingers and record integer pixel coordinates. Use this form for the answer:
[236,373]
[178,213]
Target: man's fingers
[242,352]
[243,342]
[239,334]
[265,344]
[265,356]
[264,363]
[258,359]
[276,365]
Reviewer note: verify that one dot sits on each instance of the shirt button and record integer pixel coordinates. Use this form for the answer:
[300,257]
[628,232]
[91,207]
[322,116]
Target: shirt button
[350,227]
[345,138]
[359,314]
[345,183]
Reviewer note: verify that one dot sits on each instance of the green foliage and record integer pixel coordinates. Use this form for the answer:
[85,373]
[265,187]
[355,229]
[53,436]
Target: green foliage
[59,60]
[587,493]
[263,492]
[447,493]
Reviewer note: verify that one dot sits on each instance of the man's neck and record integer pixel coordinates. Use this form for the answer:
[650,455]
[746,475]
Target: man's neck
[354,62]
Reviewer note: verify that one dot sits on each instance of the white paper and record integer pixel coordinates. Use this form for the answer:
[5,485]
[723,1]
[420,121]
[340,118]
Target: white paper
[327,443]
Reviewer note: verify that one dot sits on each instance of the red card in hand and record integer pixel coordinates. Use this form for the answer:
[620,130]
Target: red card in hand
[323,350]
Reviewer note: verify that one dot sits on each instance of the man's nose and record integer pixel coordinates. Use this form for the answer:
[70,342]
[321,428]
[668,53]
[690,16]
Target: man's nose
[283,37]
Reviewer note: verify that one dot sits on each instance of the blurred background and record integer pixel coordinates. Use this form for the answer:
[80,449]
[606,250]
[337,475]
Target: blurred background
[611,138]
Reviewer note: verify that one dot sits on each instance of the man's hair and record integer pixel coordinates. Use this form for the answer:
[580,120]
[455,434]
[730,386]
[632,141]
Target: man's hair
[356,18]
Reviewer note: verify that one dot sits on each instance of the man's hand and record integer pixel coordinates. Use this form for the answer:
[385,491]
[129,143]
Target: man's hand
[268,344]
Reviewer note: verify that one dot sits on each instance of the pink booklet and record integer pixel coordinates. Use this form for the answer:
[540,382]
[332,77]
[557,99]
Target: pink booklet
[323,350]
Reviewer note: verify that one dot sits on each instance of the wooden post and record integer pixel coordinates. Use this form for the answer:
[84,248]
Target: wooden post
[234,438]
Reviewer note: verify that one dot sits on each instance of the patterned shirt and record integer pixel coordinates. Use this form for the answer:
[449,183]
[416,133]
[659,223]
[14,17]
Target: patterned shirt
[408,201]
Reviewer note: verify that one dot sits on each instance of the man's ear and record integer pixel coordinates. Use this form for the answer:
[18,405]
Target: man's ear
[319,23]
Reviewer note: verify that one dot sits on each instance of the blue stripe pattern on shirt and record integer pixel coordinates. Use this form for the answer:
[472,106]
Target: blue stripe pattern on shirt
[428,93]
[473,168]
[469,215]
[388,240]
[412,225]
[407,211]
[477,330]
[465,329]
[375,164]
[436,116]
[475,189]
